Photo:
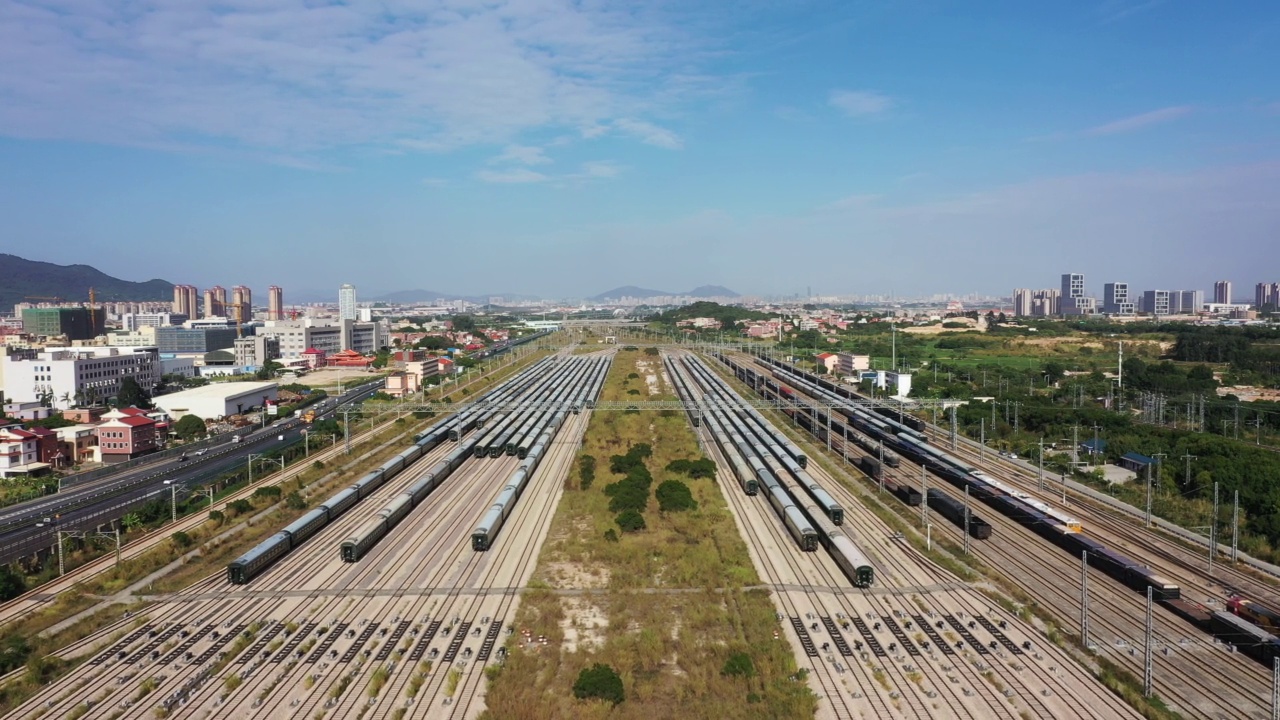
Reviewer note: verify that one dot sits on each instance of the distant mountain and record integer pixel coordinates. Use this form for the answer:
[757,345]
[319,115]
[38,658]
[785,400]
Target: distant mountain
[706,291]
[629,291]
[21,279]
[402,297]
[703,291]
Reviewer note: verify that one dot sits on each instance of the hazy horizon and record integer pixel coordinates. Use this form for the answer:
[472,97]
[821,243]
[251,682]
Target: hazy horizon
[558,149]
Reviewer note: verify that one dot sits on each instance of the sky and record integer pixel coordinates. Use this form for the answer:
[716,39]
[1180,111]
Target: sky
[560,148]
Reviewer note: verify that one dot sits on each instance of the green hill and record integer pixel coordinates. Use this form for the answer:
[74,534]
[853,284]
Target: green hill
[21,278]
[728,315]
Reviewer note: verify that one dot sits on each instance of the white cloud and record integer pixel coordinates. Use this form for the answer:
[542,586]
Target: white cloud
[295,76]
[434,182]
[649,133]
[600,169]
[860,103]
[523,155]
[1137,122]
[514,175]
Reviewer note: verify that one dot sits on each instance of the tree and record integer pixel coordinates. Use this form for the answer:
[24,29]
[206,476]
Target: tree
[674,496]
[599,682]
[630,521]
[189,427]
[132,395]
[131,521]
[269,370]
[11,584]
[181,539]
[463,323]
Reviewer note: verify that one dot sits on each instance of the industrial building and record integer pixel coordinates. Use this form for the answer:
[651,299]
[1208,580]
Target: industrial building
[71,376]
[217,400]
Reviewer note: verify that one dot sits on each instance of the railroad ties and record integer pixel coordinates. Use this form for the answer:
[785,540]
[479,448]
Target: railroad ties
[125,642]
[964,633]
[294,642]
[267,637]
[328,642]
[424,641]
[187,644]
[459,636]
[1000,637]
[354,650]
[806,642]
[156,642]
[937,640]
[869,637]
[837,637]
[390,645]
[490,639]
[899,633]
[213,649]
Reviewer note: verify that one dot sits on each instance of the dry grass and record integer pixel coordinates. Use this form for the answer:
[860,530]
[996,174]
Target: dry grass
[669,648]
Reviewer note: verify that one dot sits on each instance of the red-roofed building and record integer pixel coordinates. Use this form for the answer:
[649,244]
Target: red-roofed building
[46,444]
[124,435]
[313,358]
[19,452]
[830,361]
[349,358]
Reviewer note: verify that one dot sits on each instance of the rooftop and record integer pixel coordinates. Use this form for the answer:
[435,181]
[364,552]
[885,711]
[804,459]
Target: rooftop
[216,391]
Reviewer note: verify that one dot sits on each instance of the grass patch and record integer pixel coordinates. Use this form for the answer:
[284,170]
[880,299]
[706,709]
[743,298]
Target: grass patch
[669,650]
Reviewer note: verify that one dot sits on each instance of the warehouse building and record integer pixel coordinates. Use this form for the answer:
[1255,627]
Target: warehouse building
[218,400]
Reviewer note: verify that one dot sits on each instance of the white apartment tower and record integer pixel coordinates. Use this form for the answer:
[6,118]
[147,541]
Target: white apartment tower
[347,302]
[1222,292]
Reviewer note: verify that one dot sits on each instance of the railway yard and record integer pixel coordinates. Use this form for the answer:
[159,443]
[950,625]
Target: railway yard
[392,598]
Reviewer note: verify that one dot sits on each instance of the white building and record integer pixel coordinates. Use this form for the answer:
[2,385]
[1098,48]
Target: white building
[217,400]
[256,350]
[137,321]
[71,376]
[183,365]
[850,364]
[296,336]
[347,302]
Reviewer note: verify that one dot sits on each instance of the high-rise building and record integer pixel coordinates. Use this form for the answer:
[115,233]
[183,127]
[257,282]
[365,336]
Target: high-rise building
[241,304]
[215,302]
[1267,294]
[1073,300]
[275,303]
[186,300]
[1115,299]
[77,323]
[347,302]
[1186,302]
[1021,302]
[1156,302]
[1045,303]
[1222,292]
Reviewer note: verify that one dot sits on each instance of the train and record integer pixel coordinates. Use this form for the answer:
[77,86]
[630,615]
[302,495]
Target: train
[244,569]
[486,531]
[948,508]
[1050,523]
[1258,614]
[810,525]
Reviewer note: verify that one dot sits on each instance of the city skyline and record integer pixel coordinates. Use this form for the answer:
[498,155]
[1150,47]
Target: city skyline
[665,146]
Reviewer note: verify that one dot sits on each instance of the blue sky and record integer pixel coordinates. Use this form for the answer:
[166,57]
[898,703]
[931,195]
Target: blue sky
[562,148]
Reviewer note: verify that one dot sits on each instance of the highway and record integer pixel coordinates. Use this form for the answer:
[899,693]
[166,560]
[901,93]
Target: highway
[30,526]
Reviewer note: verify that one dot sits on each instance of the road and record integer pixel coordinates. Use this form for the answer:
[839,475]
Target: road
[30,526]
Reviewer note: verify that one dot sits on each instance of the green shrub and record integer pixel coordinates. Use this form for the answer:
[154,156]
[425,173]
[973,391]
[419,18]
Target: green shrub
[599,681]
[586,471]
[294,501]
[268,491]
[739,664]
[674,496]
[630,521]
[181,539]
[700,468]
[240,507]
[611,535]
[217,516]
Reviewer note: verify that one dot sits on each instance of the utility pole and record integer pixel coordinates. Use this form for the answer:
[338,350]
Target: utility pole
[1040,476]
[982,449]
[966,519]
[1146,669]
[1084,599]
[346,428]
[1075,442]
[953,427]
[924,495]
[1213,530]
[882,470]
[1148,515]
[1235,528]
[1015,417]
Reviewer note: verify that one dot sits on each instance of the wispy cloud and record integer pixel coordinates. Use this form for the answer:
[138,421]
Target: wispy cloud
[1137,122]
[600,169]
[296,77]
[860,103]
[522,154]
[514,175]
[434,182]
[1116,10]
[649,133]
